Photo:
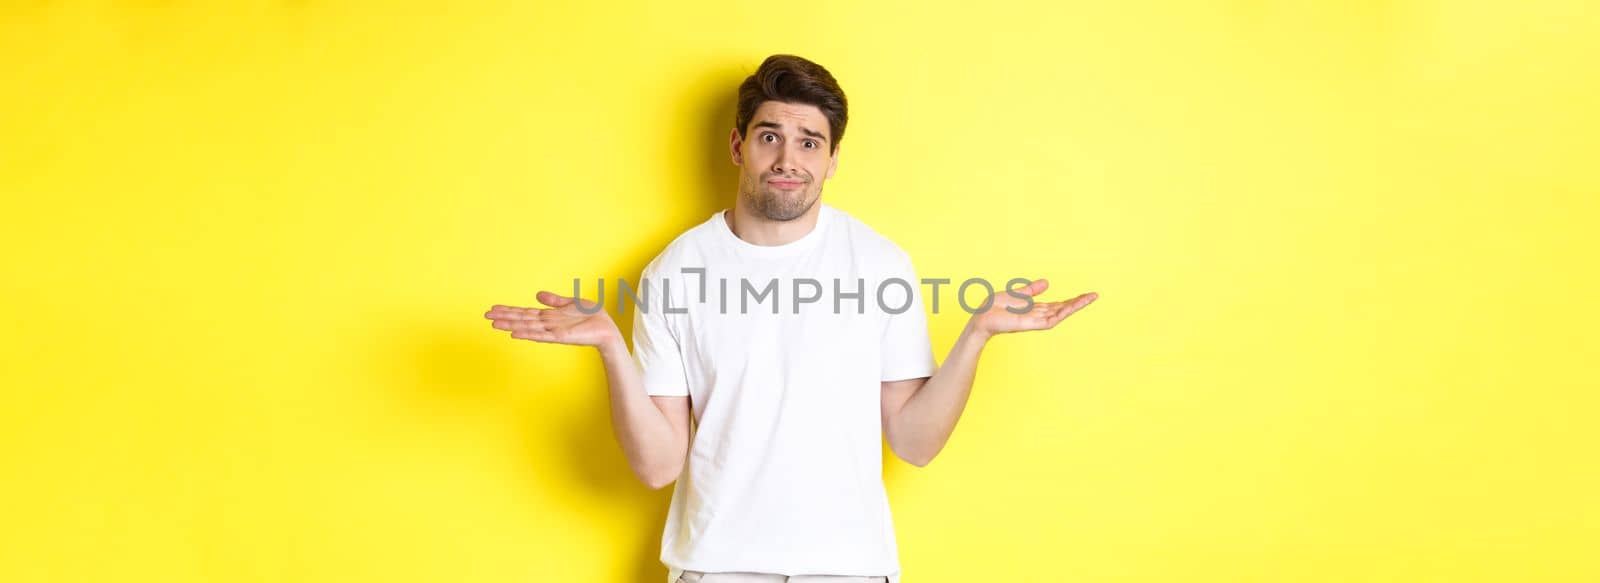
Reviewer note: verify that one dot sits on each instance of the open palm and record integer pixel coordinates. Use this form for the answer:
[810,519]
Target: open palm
[1041,316]
[561,323]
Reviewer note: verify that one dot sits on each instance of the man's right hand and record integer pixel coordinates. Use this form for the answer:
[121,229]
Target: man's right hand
[561,323]
[653,431]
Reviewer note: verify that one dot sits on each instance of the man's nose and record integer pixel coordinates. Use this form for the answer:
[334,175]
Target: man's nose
[785,162]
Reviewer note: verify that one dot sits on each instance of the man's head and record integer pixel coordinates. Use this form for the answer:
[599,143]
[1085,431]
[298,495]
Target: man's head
[786,140]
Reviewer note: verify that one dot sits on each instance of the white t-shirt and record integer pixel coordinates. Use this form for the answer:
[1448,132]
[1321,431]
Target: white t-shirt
[785,466]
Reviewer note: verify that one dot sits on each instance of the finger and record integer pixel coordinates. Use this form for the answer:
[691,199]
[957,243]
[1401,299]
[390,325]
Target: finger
[499,312]
[1071,307]
[535,335]
[1032,289]
[553,300]
[514,325]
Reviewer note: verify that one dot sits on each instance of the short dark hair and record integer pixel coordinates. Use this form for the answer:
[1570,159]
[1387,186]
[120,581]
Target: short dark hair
[792,79]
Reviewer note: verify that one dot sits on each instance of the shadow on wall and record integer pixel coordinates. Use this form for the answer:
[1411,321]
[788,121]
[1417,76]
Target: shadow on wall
[575,449]
[714,102]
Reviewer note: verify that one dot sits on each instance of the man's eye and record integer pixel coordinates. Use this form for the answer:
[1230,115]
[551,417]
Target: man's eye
[765,136]
[811,144]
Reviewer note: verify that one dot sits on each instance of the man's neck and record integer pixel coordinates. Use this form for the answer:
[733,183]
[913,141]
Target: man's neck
[758,230]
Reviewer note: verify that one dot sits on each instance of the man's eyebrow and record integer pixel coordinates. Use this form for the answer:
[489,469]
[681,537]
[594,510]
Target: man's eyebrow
[804,130]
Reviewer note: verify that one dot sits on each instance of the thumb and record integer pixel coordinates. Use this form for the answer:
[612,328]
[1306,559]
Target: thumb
[553,300]
[1037,287]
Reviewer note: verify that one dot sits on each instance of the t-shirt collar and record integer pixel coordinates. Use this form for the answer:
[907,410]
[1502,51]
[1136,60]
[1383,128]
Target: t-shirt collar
[807,241]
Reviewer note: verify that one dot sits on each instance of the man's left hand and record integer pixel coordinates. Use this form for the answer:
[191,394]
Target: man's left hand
[1041,316]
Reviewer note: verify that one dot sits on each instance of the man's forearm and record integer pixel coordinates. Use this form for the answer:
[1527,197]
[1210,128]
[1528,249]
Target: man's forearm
[654,451]
[924,424]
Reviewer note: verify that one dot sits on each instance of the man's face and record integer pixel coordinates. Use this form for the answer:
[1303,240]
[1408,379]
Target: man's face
[783,159]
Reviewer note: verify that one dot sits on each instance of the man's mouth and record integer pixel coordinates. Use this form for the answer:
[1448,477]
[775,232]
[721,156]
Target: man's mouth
[785,184]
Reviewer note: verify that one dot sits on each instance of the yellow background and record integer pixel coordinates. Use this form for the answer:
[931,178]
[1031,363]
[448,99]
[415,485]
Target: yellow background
[1344,255]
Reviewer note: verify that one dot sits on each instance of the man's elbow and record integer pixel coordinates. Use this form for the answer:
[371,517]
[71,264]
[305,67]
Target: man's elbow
[660,479]
[919,461]
[914,458]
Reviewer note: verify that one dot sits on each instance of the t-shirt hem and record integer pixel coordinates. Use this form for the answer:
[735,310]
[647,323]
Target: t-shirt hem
[666,390]
[673,573]
[905,375]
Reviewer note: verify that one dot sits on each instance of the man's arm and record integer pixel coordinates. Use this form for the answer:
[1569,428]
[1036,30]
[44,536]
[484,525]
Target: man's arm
[920,414]
[652,430]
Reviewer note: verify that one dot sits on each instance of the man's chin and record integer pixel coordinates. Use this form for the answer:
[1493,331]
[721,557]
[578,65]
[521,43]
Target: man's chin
[776,211]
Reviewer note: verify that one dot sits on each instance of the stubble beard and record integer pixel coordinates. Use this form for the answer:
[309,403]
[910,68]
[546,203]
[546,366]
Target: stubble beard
[779,205]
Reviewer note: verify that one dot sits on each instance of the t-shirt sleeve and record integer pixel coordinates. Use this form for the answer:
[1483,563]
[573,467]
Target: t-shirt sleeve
[655,345]
[907,348]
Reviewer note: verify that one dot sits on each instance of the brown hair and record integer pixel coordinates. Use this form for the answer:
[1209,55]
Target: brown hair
[792,79]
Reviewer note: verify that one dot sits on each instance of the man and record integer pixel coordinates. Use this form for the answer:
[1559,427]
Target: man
[791,395]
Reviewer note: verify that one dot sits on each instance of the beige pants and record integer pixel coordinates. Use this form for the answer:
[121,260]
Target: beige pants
[699,577]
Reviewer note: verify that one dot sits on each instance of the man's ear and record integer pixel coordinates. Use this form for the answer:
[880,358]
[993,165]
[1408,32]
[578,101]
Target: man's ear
[834,163]
[733,147]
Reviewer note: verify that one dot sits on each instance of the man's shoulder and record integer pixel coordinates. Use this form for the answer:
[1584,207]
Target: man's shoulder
[867,239]
[684,249]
